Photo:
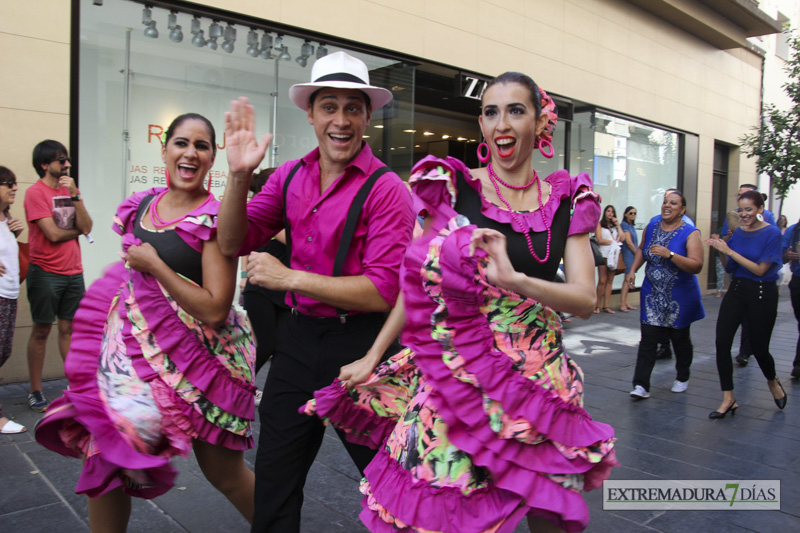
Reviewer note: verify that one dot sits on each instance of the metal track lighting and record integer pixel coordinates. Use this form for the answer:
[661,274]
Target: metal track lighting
[199,39]
[322,51]
[252,43]
[215,30]
[230,38]
[195,25]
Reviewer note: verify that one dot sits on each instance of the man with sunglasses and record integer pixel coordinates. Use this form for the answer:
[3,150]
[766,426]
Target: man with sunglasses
[56,218]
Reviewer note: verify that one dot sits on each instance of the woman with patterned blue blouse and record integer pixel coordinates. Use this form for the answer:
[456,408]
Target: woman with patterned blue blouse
[670,297]
[752,256]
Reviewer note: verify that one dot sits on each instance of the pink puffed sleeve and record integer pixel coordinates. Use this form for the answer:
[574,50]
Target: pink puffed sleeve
[433,183]
[585,205]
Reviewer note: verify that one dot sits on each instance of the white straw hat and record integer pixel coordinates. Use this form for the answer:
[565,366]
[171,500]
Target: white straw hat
[341,71]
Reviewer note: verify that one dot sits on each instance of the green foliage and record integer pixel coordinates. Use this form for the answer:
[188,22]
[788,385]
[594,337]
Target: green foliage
[776,143]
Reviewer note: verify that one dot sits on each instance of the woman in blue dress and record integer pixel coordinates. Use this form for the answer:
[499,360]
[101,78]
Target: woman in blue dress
[630,243]
[670,298]
[752,256]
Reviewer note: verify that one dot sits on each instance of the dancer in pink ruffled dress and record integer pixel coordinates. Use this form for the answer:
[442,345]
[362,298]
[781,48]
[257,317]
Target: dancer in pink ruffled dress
[479,422]
[160,364]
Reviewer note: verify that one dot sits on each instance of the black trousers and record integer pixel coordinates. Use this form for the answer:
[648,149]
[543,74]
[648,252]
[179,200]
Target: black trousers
[794,292]
[265,317]
[757,303]
[646,357]
[308,355]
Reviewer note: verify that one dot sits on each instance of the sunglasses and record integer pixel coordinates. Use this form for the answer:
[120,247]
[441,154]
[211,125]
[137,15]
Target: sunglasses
[8,184]
[62,160]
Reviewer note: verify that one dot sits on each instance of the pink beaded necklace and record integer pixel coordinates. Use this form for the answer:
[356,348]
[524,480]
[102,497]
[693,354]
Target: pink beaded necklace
[495,180]
[160,223]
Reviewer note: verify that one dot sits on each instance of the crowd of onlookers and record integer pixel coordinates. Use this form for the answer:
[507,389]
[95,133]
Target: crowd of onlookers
[754,250]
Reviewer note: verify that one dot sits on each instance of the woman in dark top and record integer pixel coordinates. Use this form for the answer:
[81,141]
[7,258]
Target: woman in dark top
[480,421]
[160,364]
[752,256]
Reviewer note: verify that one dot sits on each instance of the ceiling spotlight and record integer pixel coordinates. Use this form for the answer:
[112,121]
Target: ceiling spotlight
[306,51]
[279,42]
[230,38]
[212,43]
[151,30]
[199,40]
[176,34]
[98,2]
[252,43]
[215,30]
[321,51]
[147,16]
[266,46]
[195,25]
[285,54]
[172,20]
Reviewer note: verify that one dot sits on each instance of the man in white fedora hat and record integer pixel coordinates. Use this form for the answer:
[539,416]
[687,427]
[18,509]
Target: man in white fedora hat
[348,220]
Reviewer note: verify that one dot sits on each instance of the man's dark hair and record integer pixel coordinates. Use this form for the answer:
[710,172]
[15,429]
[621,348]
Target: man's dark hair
[45,152]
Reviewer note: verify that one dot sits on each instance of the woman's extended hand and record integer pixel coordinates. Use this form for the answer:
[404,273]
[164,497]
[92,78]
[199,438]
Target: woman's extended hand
[245,153]
[142,257]
[718,244]
[356,372]
[500,271]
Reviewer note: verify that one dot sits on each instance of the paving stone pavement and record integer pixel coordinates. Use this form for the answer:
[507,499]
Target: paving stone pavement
[668,436]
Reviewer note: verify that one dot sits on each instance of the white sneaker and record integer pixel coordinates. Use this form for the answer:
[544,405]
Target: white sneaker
[679,386]
[638,393]
[259,394]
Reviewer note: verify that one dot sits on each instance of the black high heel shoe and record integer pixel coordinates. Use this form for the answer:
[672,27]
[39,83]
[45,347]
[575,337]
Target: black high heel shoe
[732,409]
[780,402]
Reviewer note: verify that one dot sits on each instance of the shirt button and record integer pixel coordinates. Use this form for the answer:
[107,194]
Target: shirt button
[308,267]
[314,210]
[309,239]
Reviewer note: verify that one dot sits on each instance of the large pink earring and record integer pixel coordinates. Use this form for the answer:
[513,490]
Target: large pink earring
[484,158]
[209,183]
[546,148]
[166,174]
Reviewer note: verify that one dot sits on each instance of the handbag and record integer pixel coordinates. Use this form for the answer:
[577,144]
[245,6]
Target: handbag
[24,260]
[598,255]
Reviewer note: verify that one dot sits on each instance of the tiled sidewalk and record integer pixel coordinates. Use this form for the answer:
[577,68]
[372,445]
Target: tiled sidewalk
[668,436]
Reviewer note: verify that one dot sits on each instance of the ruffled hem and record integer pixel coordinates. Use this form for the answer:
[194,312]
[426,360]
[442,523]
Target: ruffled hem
[77,423]
[410,502]
[361,426]
[189,355]
[460,404]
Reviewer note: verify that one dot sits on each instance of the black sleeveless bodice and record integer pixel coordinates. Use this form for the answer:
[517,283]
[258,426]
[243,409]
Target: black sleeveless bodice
[468,203]
[173,250]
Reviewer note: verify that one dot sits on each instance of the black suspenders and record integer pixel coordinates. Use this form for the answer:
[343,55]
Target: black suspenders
[349,226]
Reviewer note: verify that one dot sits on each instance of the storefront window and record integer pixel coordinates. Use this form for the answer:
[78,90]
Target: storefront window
[123,117]
[631,164]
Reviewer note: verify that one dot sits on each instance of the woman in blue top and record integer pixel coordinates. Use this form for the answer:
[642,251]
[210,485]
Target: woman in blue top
[752,256]
[670,298]
[630,243]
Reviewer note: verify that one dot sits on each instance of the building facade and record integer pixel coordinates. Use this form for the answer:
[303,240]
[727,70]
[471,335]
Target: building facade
[652,94]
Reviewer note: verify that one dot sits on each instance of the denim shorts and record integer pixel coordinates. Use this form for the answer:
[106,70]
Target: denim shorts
[53,295]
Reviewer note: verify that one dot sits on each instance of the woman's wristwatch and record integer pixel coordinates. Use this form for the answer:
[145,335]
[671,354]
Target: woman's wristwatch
[671,255]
